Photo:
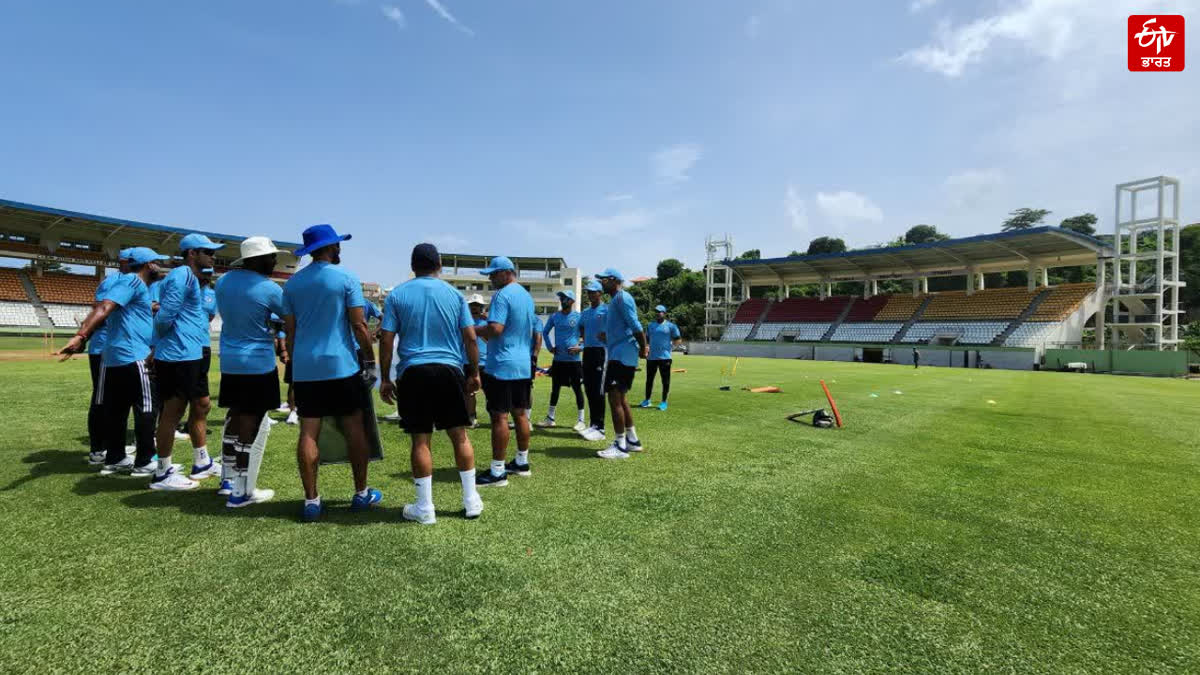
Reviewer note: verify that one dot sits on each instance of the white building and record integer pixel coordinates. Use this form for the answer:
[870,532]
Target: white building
[542,277]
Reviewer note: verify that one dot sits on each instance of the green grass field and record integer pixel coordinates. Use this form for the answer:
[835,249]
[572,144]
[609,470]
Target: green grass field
[1057,529]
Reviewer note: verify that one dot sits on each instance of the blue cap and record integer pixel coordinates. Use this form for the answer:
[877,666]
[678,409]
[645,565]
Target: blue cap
[123,254]
[611,273]
[140,255]
[497,264]
[660,308]
[570,295]
[197,240]
[593,286]
[319,236]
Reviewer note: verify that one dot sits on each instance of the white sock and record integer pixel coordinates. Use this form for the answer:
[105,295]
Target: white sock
[316,501]
[580,418]
[164,463]
[631,435]
[497,467]
[200,456]
[424,493]
[363,493]
[551,413]
[621,441]
[522,456]
[468,482]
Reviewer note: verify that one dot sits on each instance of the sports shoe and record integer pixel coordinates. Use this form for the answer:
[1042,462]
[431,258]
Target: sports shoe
[200,473]
[95,458]
[547,423]
[472,506]
[284,408]
[644,404]
[635,446]
[487,479]
[272,422]
[172,481]
[612,452]
[514,469]
[225,489]
[392,417]
[146,470]
[594,434]
[580,426]
[511,423]
[181,436]
[474,424]
[311,512]
[411,512]
[123,466]
[259,496]
[363,503]
[663,406]
[293,418]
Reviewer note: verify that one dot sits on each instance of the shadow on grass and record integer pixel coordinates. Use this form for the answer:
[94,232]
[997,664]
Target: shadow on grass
[568,452]
[204,502]
[443,475]
[51,462]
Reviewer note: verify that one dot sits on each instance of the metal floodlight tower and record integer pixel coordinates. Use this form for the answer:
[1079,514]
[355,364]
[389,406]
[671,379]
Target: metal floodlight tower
[1145,299]
[718,286]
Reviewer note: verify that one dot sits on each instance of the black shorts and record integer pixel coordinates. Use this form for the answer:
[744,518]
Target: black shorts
[187,380]
[505,396]
[566,373]
[249,393]
[432,395]
[330,398]
[95,364]
[206,357]
[619,377]
[287,372]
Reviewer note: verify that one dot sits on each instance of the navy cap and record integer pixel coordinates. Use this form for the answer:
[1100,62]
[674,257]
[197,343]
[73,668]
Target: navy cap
[197,240]
[498,264]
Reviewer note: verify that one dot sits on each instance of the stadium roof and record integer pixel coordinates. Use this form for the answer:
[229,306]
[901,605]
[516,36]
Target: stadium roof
[1000,252]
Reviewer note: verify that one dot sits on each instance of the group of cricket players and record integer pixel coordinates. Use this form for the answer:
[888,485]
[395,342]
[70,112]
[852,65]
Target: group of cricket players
[147,339]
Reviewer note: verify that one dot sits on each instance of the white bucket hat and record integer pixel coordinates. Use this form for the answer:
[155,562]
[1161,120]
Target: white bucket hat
[252,247]
[476,299]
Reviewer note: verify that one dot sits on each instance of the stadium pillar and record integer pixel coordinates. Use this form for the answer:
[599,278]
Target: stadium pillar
[970,281]
[1045,276]
[925,285]
[1031,276]
[979,284]
[916,286]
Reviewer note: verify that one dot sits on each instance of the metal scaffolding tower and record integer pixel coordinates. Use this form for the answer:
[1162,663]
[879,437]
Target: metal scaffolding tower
[1145,302]
[719,299]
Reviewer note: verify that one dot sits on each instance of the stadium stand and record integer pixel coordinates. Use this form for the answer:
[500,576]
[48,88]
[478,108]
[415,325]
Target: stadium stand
[875,331]
[68,289]
[802,331]
[868,309]
[1031,334]
[744,320]
[17,314]
[899,308]
[999,303]
[67,316]
[11,287]
[968,332]
[1062,301]
[807,319]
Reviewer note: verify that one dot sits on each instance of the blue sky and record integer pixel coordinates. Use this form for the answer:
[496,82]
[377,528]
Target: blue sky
[610,133]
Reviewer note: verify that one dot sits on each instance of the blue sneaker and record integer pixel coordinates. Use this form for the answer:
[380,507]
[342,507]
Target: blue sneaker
[644,404]
[663,406]
[363,503]
[486,478]
[312,512]
[225,489]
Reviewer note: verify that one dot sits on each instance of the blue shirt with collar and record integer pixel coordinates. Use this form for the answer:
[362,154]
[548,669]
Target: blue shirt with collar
[566,335]
[247,300]
[660,335]
[96,343]
[319,298]
[131,325]
[509,355]
[592,321]
[428,317]
[182,321]
[621,324]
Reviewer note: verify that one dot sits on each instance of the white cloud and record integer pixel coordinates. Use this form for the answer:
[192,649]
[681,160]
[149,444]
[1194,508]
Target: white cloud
[970,188]
[446,241]
[394,15]
[672,164]
[620,197]
[920,5]
[796,209]
[846,208]
[438,7]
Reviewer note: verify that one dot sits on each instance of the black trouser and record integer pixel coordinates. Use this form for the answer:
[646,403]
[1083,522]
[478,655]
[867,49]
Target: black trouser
[123,388]
[95,410]
[571,379]
[658,366]
[594,359]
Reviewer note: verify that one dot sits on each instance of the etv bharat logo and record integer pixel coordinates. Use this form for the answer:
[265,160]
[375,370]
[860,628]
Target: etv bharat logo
[1156,42]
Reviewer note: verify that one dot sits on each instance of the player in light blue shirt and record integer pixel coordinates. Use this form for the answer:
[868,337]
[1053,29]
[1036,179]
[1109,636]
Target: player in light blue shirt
[664,336]
[567,367]
[626,342]
[507,378]
[125,384]
[95,351]
[592,322]
[436,337]
[327,337]
[478,308]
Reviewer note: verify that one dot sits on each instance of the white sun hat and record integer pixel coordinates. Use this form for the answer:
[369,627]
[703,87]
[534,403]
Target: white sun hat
[252,247]
[476,299]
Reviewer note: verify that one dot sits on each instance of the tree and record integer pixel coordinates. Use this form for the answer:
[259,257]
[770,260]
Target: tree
[922,234]
[752,254]
[1083,224]
[1023,219]
[1191,337]
[826,245]
[669,268]
[1189,268]
[795,254]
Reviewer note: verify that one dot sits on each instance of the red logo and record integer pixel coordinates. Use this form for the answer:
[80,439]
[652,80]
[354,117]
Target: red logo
[1155,42]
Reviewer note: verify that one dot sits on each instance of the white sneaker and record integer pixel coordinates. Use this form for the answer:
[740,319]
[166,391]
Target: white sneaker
[260,495]
[172,481]
[272,422]
[95,459]
[472,506]
[411,512]
[131,450]
[392,417]
[612,452]
[580,426]
[284,408]
[293,418]
[547,423]
[213,469]
[180,436]
[593,434]
[146,470]
[123,466]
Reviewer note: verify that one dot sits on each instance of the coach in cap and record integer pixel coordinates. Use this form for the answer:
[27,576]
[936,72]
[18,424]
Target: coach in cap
[181,325]
[507,374]
[663,337]
[95,351]
[566,370]
[125,381]
[246,299]
[436,336]
[625,343]
[326,335]
[591,330]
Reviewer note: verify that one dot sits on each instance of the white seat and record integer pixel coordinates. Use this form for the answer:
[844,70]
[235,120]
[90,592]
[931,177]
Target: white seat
[17,314]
